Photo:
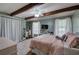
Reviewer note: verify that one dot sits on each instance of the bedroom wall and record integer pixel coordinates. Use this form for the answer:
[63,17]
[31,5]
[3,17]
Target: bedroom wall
[75,19]
[49,22]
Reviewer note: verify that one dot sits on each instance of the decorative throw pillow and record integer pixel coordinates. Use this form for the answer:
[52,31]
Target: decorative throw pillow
[75,42]
[59,38]
[64,37]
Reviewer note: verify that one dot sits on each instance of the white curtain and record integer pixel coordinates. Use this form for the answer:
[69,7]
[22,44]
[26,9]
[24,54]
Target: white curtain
[60,26]
[68,25]
[8,28]
[16,29]
[0,26]
[11,28]
[63,26]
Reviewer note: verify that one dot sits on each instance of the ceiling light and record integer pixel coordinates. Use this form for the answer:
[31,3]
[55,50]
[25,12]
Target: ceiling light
[37,13]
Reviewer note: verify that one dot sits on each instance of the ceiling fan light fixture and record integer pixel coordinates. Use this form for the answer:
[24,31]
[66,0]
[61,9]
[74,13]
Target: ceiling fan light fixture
[36,15]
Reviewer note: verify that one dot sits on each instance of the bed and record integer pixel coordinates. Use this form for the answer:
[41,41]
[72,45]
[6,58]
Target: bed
[7,47]
[49,44]
[66,48]
[43,42]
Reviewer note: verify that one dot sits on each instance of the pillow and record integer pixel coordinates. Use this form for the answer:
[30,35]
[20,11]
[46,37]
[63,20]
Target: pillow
[75,42]
[71,40]
[64,37]
[59,38]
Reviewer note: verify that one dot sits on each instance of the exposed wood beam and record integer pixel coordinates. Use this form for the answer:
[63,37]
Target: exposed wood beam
[25,8]
[76,7]
[29,17]
[62,10]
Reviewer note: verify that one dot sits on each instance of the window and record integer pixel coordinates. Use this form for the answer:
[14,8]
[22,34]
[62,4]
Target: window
[60,27]
[63,26]
[36,28]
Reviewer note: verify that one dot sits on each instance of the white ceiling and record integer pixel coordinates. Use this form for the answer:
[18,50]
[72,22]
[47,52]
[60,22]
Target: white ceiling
[10,7]
[63,14]
[45,8]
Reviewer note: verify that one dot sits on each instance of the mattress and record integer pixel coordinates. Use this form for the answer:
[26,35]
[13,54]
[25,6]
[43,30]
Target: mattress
[7,47]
